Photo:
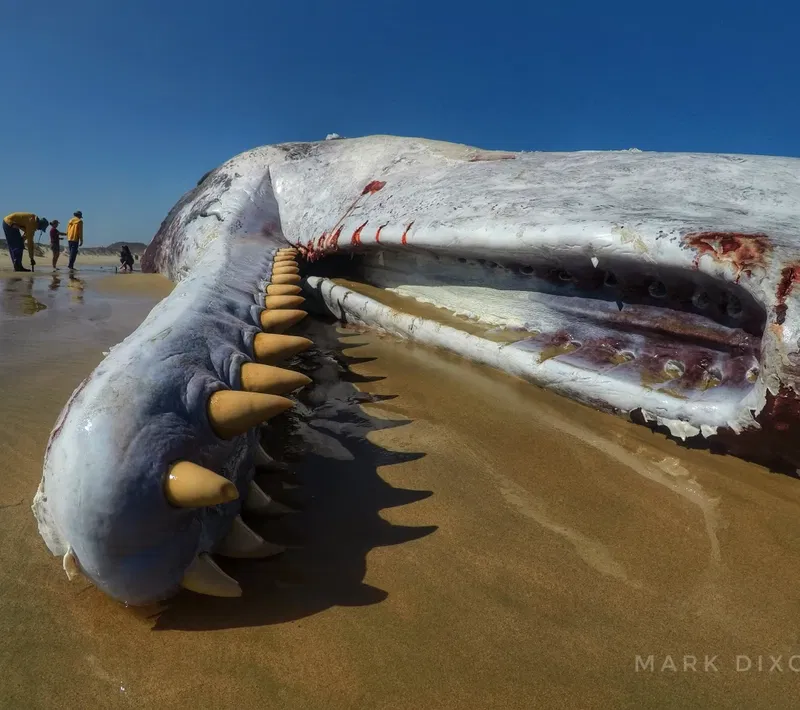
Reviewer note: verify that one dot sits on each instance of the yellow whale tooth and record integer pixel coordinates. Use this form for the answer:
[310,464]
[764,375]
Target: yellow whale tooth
[271,380]
[283,290]
[280,320]
[234,413]
[270,347]
[277,302]
[188,485]
[286,279]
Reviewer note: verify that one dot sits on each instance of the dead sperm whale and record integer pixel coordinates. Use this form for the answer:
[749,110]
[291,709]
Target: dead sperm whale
[655,285]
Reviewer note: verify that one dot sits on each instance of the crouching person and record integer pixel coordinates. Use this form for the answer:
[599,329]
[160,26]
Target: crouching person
[18,229]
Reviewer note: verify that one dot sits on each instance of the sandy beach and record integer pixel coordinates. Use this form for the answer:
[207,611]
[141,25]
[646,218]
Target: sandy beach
[466,541]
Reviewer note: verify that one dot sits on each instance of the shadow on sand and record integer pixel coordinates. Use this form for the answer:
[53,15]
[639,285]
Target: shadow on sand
[324,442]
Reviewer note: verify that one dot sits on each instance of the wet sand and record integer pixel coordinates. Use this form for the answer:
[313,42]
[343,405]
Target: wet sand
[485,545]
[44,264]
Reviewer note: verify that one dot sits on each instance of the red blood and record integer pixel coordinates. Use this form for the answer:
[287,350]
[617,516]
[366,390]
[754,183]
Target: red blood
[373,187]
[334,239]
[356,238]
[404,238]
[378,233]
[743,251]
[790,275]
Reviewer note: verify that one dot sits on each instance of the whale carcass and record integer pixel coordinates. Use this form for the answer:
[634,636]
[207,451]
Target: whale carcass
[656,286]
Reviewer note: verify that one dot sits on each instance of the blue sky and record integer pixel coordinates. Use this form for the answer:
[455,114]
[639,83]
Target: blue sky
[118,112]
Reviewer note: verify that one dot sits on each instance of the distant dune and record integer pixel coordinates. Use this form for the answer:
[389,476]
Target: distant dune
[113,249]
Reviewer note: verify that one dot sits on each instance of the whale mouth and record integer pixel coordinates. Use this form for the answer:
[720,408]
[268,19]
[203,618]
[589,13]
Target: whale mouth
[678,333]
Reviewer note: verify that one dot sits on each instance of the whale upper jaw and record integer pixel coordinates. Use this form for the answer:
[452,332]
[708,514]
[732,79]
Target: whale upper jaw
[662,277]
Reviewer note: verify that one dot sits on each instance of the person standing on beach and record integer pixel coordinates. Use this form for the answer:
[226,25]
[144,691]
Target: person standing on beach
[74,236]
[55,241]
[14,225]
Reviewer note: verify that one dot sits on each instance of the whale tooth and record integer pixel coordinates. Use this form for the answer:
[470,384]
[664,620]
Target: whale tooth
[70,564]
[284,264]
[286,279]
[188,485]
[260,503]
[271,380]
[283,257]
[283,290]
[234,413]
[204,577]
[281,320]
[242,542]
[287,250]
[261,457]
[270,348]
[276,302]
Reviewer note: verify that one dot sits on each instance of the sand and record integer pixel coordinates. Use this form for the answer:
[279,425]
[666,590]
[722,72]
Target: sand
[485,545]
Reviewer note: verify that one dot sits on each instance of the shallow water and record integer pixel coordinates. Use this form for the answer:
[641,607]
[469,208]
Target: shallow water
[468,541]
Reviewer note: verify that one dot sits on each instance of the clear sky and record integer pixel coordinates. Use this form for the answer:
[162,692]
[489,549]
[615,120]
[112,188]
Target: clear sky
[117,107]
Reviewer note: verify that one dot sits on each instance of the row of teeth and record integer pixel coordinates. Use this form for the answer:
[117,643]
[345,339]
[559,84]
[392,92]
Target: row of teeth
[232,413]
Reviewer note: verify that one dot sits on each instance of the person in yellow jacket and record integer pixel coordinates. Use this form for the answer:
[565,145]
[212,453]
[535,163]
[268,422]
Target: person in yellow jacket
[14,225]
[74,236]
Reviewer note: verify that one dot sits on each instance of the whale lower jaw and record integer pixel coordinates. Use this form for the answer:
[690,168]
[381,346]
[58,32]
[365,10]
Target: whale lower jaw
[528,359]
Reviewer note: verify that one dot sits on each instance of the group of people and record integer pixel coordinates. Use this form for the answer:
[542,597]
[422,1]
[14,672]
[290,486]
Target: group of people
[19,228]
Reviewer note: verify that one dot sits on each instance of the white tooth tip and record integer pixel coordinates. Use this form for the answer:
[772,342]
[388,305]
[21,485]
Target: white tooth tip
[261,457]
[70,564]
[260,503]
[595,261]
[242,543]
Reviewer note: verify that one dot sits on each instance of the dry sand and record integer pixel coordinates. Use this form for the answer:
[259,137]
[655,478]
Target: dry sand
[550,545]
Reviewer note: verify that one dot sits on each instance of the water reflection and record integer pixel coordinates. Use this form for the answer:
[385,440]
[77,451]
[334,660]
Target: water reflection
[55,283]
[18,297]
[76,285]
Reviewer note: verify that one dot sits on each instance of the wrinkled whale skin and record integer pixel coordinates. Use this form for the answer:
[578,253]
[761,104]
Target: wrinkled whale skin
[466,228]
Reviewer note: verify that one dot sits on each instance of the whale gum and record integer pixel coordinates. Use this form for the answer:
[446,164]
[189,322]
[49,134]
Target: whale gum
[568,542]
